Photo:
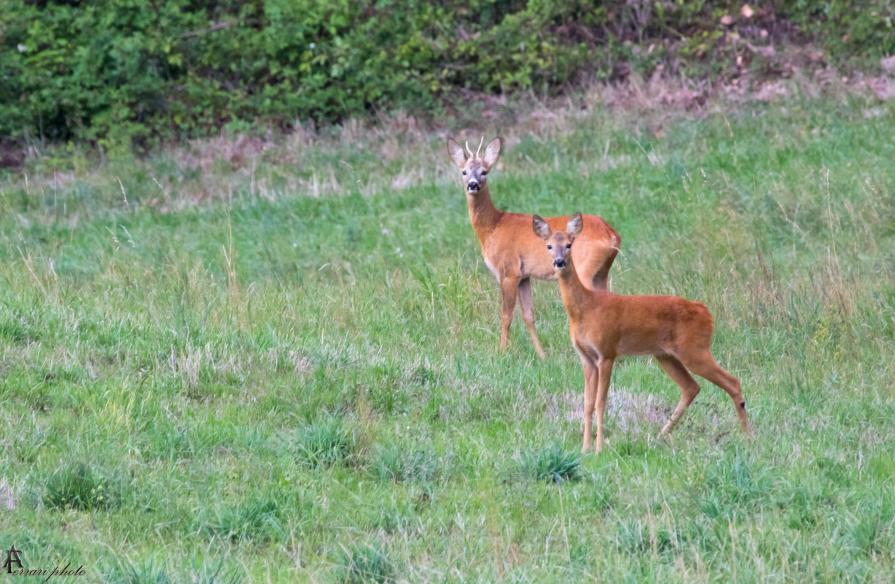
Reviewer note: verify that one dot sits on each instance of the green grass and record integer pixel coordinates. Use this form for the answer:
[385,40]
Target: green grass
[551,464]
[284,367]
[78,486]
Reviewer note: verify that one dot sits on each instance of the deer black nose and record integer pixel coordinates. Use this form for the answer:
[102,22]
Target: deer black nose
[473,184]
[559,263]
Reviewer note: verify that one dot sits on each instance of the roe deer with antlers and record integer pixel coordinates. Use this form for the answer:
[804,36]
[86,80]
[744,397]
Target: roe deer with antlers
[605,326]
[512,253]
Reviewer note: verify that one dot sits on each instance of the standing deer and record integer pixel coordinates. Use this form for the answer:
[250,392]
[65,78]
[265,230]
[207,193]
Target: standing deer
[605,326]
[512,253]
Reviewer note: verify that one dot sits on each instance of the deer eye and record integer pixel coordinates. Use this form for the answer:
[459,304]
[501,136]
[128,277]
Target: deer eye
[464,173]
[549,246]
[568,246]
[484,173]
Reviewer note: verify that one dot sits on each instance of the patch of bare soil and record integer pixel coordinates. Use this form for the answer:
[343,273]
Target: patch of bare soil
[643,414]
[11,156]
[631,413]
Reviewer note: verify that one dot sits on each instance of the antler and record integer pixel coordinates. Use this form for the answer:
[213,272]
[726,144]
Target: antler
[482,141]
[468,150]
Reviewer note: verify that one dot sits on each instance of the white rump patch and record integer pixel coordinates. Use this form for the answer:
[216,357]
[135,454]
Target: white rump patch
[492,268]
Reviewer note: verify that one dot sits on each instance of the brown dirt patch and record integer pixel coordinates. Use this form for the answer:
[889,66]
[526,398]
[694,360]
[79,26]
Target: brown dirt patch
[629,412]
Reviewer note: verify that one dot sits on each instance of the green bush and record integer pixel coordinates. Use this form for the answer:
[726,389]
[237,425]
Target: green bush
[849,29]
[114,72]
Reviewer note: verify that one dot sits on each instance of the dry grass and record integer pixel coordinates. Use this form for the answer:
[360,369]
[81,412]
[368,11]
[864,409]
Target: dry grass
[394,152]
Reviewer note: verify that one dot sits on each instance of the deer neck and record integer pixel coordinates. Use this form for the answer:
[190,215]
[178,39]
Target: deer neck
[575,297]
[482,213]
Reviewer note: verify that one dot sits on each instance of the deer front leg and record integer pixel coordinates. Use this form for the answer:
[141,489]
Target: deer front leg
[509,287]
[604,375]
[528,314]
[590,397]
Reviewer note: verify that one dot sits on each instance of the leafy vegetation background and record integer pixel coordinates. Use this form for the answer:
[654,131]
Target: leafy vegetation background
[123,72]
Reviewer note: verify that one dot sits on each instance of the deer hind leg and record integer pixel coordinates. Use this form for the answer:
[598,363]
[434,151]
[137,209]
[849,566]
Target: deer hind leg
[528,314]
[509,286]
[604,374]
[689,389]
[705,365]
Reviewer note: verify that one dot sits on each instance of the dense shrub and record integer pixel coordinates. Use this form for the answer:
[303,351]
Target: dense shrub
[850,28]
[128,71]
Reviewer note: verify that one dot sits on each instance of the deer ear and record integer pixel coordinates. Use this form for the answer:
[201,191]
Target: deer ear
[540,227]
[492,152]
[575,224]
[456,152]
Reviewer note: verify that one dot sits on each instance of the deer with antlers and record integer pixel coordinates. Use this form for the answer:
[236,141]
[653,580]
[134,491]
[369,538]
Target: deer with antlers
[605,326]
[513,253]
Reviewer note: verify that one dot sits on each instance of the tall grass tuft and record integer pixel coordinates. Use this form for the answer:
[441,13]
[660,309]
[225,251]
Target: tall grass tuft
[365,564]
[392,462]
[79,486]
[325,443]
[735,485]
[126,572]
[552,464]
[256,519]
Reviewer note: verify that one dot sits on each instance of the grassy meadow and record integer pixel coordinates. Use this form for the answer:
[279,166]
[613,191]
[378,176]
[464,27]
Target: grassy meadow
[276,359]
